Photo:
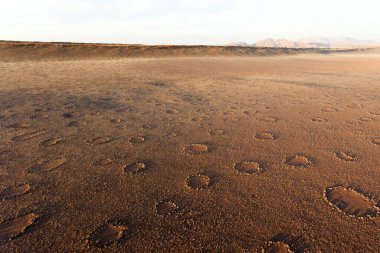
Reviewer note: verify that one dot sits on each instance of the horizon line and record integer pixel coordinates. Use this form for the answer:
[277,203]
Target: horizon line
[373,46]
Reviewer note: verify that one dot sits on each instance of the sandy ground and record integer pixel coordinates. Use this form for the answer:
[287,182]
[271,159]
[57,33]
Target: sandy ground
[207,154]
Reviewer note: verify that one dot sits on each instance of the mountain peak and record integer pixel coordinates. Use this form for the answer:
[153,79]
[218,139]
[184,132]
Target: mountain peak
[311,42]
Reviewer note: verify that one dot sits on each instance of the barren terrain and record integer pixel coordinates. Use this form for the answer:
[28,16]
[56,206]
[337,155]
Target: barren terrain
[189,154]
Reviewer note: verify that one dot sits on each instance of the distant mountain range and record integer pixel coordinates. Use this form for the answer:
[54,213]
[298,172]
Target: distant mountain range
[313,42]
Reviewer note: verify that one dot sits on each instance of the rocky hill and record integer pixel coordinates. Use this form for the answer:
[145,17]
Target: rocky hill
[312,42]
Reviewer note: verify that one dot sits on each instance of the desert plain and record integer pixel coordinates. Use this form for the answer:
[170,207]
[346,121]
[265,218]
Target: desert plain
[181,153]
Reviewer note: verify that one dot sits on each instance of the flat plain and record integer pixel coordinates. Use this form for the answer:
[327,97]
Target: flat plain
[191,154]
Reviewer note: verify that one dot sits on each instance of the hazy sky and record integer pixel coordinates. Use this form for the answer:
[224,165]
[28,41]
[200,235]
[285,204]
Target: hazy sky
[186,22]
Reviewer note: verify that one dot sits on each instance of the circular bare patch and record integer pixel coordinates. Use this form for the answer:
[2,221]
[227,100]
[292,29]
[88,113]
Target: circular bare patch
[366,119]
[353,122]
[51,142]
[150,126]
[116,120]
[172,111]
[352,202]
[198,182]
[190,214]
[266,136]
[170,135]
[69,115]
[13,192]
[107,235]
[47,165]
[375,113]
[101,140]
[277,247]
[376,141]
[133,168]
[346,156]
[103,162]
[76,123]
[249,167]
[40,115]
[19,125]
[354,106]
[216,132]
[12,228]
[165,208]
[197,148]
[318,119]
[159,84]
[299,161]
[137,140]
[28,136]
[329,109]
[269,119]
[197,119]
[228,113]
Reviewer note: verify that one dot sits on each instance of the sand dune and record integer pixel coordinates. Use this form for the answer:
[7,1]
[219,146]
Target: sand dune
[188,154]
[12,51]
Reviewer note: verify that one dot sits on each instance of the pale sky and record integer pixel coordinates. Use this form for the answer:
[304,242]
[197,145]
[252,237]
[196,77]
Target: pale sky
[209,22]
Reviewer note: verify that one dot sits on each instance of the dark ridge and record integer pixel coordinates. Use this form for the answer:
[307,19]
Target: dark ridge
[21,51]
